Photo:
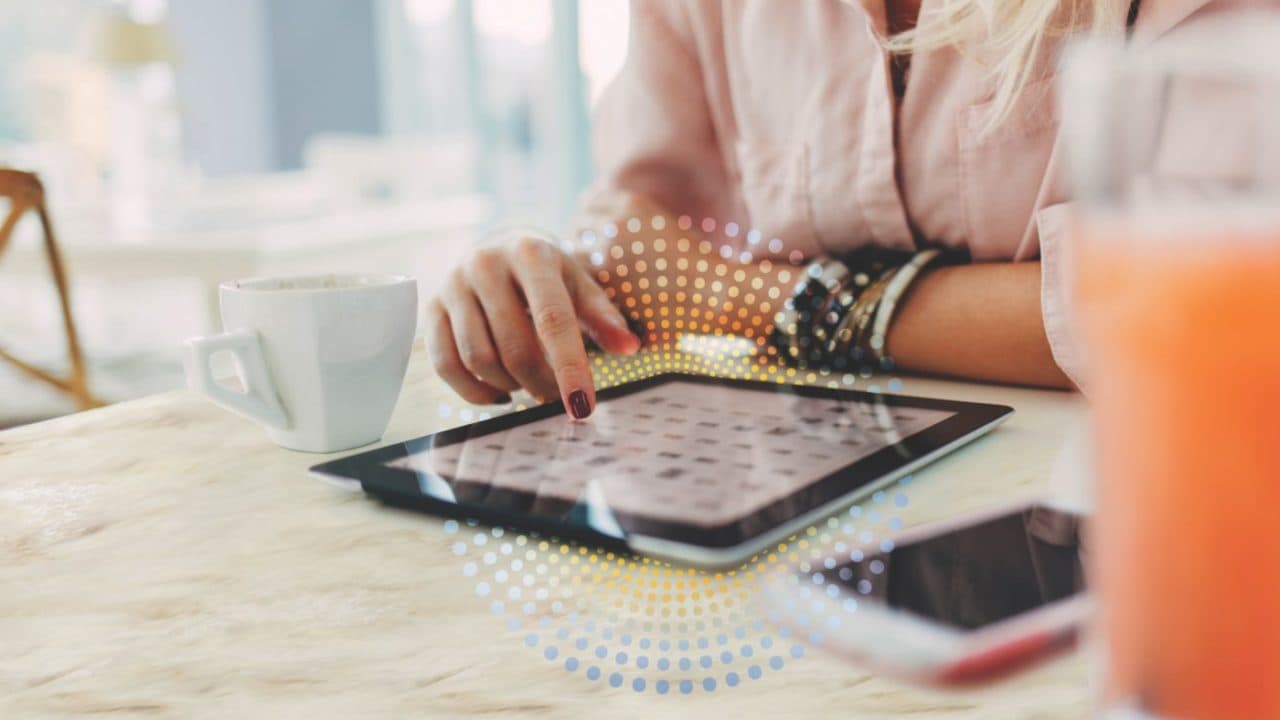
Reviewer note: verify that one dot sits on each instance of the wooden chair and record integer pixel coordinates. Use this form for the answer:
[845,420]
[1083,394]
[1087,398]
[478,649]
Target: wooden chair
[25,193]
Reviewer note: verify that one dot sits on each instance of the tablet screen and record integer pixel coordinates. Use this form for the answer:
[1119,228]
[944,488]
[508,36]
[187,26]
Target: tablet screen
[698,461]
[680,452]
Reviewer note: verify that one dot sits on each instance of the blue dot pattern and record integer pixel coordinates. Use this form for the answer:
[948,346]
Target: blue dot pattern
[687,653]
[727,640]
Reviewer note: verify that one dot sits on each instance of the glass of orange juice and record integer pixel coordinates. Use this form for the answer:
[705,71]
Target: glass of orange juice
[1175,156]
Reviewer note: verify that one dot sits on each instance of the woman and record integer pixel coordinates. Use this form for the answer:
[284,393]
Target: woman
[833,125]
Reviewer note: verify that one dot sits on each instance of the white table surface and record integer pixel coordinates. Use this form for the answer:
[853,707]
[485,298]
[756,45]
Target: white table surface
[161,558]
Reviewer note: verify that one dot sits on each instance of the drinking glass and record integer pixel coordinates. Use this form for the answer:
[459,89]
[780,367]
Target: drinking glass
[1174,151]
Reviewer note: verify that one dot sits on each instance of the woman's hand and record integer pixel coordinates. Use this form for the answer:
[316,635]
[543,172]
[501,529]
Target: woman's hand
[512,316]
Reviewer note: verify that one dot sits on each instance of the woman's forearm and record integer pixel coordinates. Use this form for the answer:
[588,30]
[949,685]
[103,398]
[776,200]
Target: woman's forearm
[980,321]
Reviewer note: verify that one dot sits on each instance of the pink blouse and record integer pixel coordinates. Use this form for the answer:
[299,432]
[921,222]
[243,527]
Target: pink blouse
[780,115]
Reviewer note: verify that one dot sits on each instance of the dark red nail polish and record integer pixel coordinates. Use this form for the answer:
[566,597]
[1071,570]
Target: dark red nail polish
[503,399]
[579,406]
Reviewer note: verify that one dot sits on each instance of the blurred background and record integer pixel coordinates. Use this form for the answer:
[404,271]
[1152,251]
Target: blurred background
[184,142]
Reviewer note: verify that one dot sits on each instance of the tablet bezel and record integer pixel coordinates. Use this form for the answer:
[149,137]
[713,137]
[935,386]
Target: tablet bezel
[723,545]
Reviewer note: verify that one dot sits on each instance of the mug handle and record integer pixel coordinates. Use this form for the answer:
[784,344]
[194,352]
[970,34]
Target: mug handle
[258,401]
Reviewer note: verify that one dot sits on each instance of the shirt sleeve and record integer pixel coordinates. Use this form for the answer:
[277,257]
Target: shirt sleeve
[654,137]
[1056,279]
[1185,151]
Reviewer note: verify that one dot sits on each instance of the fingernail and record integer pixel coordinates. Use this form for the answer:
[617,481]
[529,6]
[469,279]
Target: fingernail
[503,399]
[579,406]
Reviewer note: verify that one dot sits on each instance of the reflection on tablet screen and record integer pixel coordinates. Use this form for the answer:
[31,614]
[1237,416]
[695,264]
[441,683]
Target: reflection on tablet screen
[686,453]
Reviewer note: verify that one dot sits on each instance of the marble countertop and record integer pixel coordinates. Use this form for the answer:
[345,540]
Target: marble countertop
[161,558]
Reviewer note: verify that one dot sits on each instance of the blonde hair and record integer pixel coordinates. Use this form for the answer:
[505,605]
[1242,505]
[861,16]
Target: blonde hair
[1011,37]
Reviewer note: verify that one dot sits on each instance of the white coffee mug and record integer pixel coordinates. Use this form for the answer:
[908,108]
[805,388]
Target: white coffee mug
[320,358]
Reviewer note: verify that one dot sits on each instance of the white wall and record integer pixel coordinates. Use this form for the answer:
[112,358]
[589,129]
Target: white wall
[224,87]
[259,77]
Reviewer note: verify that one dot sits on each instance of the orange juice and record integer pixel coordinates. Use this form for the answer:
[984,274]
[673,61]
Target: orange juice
[1182,336]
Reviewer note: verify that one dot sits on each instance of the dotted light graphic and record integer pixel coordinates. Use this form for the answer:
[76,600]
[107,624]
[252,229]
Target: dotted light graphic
[648,626]
[702,300]
[698,296]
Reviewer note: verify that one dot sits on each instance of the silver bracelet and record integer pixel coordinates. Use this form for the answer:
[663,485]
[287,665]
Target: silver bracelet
[889,300]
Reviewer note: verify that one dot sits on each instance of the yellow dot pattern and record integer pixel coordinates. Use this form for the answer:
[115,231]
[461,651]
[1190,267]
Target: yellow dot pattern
[645,623]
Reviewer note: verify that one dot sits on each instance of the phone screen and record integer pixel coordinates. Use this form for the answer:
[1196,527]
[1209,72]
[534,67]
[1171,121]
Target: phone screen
[973,576]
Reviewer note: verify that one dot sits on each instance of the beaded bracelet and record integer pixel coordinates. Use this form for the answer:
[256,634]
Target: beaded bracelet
[832,314]
[793,325]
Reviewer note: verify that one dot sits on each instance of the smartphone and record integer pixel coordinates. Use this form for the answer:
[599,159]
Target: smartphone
[951,603]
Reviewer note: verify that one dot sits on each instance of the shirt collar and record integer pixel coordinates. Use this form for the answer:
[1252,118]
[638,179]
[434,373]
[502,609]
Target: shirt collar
[1157,17]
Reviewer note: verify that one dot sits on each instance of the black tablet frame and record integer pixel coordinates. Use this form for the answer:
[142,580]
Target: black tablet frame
[402,488]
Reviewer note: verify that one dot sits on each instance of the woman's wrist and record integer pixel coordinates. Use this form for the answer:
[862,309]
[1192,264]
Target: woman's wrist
[839,314]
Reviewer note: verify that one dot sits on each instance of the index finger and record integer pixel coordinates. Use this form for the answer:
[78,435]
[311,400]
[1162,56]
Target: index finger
[539,272]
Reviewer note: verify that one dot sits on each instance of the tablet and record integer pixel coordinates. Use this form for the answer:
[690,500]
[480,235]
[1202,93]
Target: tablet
[698,470]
